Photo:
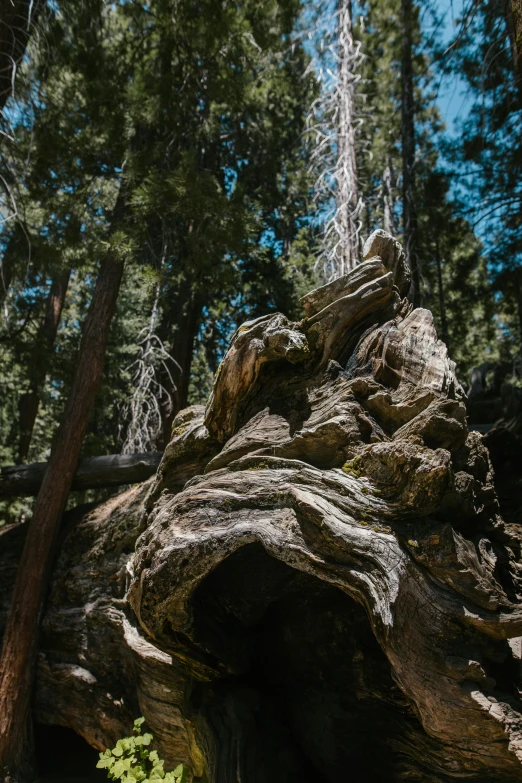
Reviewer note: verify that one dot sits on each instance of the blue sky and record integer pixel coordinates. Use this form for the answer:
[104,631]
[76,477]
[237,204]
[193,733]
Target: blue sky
[452,98]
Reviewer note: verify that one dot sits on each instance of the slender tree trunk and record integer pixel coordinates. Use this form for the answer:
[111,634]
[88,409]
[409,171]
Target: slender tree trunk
[409,218]
[183,333]
[17,18]
[40,359]
[348,206]
[21,632]
[389,213]
[442,298]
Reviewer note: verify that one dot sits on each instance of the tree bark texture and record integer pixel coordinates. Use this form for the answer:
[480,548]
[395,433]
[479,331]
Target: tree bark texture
[409,216]
[318,582]
[17,18]
[40,359]
[21,633]
[92,473]
[347,186]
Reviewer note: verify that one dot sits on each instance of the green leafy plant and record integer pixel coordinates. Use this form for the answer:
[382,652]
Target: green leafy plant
[132,761]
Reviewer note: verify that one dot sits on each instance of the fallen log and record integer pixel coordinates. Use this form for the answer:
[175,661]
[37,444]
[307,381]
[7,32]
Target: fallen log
[318,582]
[93,473]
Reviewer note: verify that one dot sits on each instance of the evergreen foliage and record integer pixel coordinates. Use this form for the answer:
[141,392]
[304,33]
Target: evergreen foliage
[488,156]
[203,132]
[174,135]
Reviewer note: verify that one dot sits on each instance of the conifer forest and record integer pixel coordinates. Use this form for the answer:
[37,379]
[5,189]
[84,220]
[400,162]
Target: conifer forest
[261,391]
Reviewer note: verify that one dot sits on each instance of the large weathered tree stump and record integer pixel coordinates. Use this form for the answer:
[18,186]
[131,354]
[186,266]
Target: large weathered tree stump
[317,584]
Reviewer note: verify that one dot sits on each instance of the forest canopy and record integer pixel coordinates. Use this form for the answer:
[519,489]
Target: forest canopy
[232,156]
[177,179]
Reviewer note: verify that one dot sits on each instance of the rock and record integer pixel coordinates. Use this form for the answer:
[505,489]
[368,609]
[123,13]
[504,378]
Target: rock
[318,581]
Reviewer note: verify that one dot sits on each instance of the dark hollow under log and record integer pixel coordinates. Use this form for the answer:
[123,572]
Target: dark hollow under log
[318,583]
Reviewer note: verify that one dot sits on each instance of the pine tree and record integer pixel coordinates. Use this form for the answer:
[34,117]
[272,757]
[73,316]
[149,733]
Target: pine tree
[208,129]
[452,271]
[488,152]
[19,643]
[409,212]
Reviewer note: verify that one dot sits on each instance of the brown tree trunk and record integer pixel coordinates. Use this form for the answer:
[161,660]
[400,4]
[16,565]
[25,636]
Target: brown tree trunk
[347,187]
[20,638]
[409,218]
[17,18]
[40,358]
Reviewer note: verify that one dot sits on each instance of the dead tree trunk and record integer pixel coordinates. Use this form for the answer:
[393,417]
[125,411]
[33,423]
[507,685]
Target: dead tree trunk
[389,207]
[40,359]
[348,208]
[111,470]
[317,580]
[409,215]
[21,633]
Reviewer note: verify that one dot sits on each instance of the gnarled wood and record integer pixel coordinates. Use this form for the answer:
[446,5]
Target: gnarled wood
[318,582]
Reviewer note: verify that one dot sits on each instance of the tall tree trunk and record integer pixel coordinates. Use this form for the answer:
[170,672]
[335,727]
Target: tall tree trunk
[348,207]
[183,335]
[17,18]
[40,359]
[442,298]
[409,216]
[20,637]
